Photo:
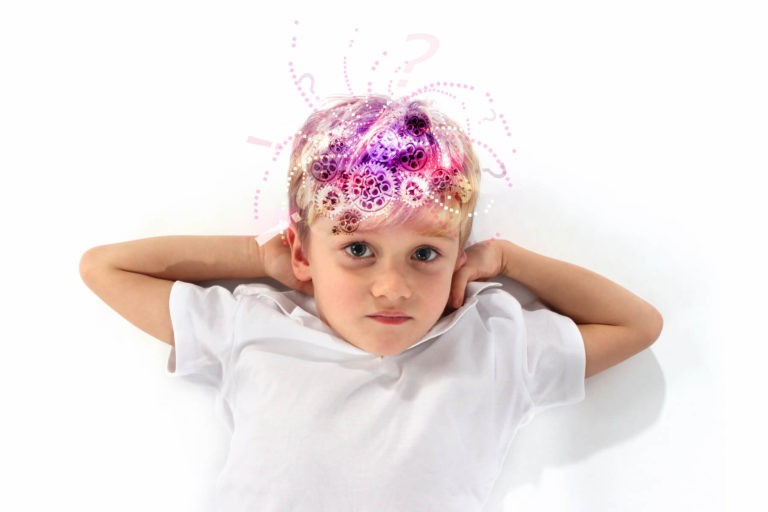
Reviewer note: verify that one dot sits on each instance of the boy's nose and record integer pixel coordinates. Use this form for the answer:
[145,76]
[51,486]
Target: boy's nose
[390,283]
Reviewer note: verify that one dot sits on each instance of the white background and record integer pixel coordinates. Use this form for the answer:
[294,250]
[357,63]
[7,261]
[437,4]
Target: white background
[639,131]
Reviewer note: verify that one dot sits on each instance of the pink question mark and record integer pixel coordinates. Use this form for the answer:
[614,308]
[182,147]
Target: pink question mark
[433,46]
[500,175]
[311,79]
[488,118]
[258,142]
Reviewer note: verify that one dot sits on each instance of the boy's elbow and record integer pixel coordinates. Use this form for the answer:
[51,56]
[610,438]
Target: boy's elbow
[652,326]
[86,265]
[90,264]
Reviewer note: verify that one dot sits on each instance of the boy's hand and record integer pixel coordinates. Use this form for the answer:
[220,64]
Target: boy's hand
[484,260]
[276,260]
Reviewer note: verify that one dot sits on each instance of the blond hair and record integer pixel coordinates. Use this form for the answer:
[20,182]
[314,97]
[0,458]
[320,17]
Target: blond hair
[424,164]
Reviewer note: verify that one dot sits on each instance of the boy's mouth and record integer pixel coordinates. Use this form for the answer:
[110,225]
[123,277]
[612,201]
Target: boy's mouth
[392,320]
[390,317]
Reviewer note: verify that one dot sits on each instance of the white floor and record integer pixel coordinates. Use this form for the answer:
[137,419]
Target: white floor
[639,152]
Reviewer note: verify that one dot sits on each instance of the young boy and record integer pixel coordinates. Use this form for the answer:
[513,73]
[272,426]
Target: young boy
[388,378]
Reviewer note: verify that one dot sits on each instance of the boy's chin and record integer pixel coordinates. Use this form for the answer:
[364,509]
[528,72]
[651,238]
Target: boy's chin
[390,347]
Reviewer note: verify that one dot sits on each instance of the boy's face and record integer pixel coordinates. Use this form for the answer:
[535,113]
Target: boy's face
[380,289]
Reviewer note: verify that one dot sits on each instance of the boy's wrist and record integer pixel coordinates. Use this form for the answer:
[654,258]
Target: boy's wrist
[255,258]
[509,251]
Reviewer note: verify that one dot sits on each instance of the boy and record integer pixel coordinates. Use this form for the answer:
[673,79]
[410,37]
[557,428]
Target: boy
[388,378]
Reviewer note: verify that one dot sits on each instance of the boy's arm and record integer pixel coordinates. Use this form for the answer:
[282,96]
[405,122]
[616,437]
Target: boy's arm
[614,323]
[135,278]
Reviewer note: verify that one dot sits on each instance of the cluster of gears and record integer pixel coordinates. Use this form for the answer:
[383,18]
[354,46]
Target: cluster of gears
[401,163]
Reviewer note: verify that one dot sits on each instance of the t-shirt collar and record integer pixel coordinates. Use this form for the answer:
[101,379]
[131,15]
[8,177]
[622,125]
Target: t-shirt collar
[303,309]
[448,321]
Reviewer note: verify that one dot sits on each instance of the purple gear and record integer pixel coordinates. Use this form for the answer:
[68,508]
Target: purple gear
[414,191]
[337,146]
[384,148]
[324,168]
[348,222]
[412,157]
[441,179]
[329,200]
[371,187]
[417,124]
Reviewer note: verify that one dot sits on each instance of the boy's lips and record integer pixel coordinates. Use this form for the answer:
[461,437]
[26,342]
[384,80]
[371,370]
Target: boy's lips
[390,317]
[393,313]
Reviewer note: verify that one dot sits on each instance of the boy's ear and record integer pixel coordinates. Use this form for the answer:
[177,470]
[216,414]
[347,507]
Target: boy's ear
[299,259]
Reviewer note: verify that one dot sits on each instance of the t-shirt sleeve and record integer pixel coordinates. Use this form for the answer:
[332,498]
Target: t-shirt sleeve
[203,324]
[555,357]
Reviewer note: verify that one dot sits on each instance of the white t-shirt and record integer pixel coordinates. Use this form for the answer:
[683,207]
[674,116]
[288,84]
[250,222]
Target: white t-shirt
[320,425]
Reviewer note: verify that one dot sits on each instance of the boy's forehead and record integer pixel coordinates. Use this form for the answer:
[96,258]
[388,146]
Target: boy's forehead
[423,227]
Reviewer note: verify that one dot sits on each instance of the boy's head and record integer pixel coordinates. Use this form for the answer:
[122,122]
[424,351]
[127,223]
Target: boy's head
[381,196]
[382,162]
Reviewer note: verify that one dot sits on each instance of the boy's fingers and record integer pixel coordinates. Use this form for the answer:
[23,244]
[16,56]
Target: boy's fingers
[458,288]
[460,280]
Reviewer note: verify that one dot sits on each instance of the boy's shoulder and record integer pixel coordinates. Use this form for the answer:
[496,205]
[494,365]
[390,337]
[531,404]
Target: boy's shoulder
[243,289]
[274,293]
[235,294]
[501,290]
[261,288]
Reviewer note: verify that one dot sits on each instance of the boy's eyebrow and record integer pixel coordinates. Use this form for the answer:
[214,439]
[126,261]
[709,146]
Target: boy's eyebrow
[429,233]
[444,235]
[434,235]
[438,234]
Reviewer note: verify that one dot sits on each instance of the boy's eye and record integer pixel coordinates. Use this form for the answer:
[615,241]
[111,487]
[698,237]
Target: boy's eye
[425,254]
[361,250]
[357,249]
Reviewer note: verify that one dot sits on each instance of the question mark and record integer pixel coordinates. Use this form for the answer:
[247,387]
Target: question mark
[433,45]
[488,118]
[312,80]
[500,175]
[258,142]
